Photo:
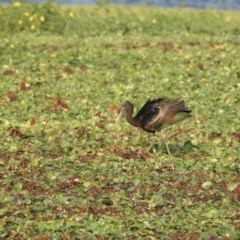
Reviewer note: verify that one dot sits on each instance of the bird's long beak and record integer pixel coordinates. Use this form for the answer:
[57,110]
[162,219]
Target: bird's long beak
[120,115]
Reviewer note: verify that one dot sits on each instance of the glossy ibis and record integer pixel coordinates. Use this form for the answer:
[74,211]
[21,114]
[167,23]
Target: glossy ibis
[156,114]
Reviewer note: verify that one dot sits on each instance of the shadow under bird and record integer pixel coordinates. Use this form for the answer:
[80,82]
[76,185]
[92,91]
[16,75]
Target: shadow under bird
[156,114]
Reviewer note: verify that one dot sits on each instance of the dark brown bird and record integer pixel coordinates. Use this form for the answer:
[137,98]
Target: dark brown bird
[156,114]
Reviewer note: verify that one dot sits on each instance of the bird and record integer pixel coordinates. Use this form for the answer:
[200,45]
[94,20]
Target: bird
[155,115]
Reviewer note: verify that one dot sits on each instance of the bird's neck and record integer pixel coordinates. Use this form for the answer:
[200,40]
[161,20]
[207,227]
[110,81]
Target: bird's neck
[133,121]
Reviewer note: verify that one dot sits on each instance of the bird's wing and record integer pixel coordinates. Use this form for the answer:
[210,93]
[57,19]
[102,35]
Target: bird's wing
[161,113]
[148,115]
[172,112]
[147,107]
[154,120]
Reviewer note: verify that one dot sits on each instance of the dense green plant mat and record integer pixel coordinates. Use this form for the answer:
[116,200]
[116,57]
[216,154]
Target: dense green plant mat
[67,172]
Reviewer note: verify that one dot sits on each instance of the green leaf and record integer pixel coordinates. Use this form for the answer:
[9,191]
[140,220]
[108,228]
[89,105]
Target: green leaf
[232,186]
[207,184]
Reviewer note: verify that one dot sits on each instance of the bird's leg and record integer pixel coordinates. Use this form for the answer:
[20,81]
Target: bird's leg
[165,141]
[152,142]
[169,153]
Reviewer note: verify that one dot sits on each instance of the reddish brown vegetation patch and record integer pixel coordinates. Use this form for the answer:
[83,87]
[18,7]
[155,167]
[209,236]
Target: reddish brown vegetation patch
[180,235]
[99,210]
[190,43]
[108,46]
[166,46]
[24,86]
[59,104]
[68,70]
[189,63]
[33,188]
[58,76]
[85,159]
[42,238]
[10,96]
[53,48]
[81,131]
[101,122]
[32,121]
[214,136]
[94,192]
[217,47]
[98,114]
[130,46]
[72,182]
[69,236]
[101,237]
[15,132]
[100,125]
[8,72]
[200,66]
[41,48]
[114,110]
[104,83]
[179,132]
[196,190]
[235,136]
[7,156]
[61,210]
[137,154]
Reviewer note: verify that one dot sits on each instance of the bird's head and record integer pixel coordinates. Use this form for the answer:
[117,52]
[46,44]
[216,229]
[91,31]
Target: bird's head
[126,109]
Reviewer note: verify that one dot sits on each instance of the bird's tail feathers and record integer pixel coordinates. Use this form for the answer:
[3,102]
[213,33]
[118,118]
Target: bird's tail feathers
[177,118]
